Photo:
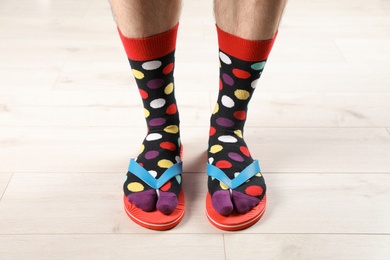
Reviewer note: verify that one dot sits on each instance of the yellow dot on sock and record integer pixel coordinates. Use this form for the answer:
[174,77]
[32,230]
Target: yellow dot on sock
[172,129]
[142,148]
[164,163]
[146,113]
[223,185]
[168,89]
[135,187]
[216,108]
[138,74]
[258,175]
[241,94]
[216,148]
[238,133]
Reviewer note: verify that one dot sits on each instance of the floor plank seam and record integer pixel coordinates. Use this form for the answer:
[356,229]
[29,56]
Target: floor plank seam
[224,246]
[200,234]
[6,186]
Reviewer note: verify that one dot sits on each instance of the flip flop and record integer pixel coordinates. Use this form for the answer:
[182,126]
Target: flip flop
[155,220]
[234,221]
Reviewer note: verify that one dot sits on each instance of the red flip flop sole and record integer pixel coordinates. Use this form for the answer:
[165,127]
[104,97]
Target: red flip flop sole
[234,221]
[156,220]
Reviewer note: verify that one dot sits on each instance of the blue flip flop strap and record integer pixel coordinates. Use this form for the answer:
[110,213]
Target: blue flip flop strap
[144,175]
[250,171]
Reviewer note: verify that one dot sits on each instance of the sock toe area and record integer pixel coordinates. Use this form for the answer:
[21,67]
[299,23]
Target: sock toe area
[145,200]
[222,202]
[167,202]
[243,203]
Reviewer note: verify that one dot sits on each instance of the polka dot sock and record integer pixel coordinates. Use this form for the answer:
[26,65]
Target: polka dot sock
[152,63]
[242,62]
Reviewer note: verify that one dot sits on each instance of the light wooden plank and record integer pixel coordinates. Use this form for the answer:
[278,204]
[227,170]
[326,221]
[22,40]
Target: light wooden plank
[64,98]
[298,109]
[311,204]
[311,50]
[365,50]
[64,203]
[84,203]
[82,149]
[358,150]
[108,149]
[80,203]
[316,109]
[326,203]
[285,76]
[310,246]
[26,75]
[96,111]
[321,150]
[92,75]
[125,246]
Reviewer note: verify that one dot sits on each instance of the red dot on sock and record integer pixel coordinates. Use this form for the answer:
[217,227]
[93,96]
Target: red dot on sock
[168,69]
[143,93]
[242,74]
[141,164]
[168,146]
[172,109]
[223,164]
[220,84]
[254,190]
[240,115]
[166,186]
[212,131]
[245,151]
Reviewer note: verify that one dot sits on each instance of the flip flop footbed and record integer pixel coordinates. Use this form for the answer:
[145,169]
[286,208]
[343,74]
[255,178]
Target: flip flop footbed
[234,221]
[156,220]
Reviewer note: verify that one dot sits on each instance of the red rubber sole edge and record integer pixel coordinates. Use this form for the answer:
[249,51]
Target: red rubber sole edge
[156,220]
[234,221]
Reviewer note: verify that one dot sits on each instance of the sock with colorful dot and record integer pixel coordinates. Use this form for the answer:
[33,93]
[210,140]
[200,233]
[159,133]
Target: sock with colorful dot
[242,62]
[152,63]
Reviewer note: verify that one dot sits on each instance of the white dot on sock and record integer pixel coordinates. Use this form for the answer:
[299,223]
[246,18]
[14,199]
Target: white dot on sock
[224,58]
[151,65]
[157,103]
[153,137]
[227,139]
[254,83]
[227,101]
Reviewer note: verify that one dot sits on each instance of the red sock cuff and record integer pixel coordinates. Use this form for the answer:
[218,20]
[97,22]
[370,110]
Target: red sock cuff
[243,49]
[152,47]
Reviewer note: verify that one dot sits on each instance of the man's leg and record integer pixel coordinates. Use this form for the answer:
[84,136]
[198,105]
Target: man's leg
[251,19]
[140,19]
[148,32]
[246,33]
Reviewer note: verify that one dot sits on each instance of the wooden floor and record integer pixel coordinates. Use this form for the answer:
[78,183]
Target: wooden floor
[71,117]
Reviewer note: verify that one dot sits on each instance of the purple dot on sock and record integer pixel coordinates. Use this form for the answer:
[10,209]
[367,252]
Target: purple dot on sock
[222,121]
[155,83]
[157,121]
[227,79]
[236,157]
[151,154]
